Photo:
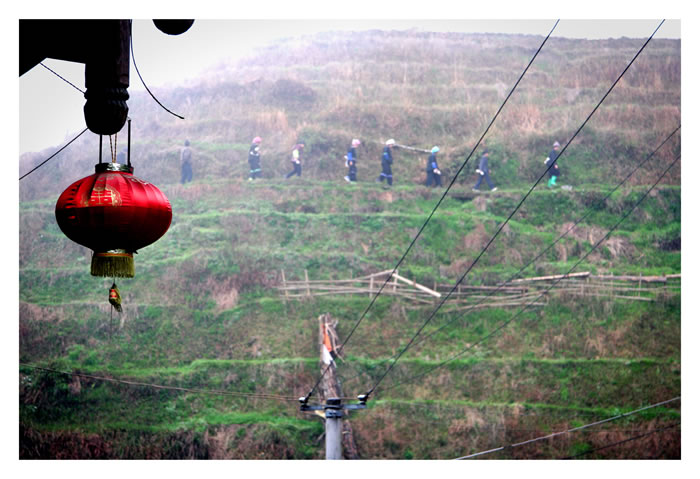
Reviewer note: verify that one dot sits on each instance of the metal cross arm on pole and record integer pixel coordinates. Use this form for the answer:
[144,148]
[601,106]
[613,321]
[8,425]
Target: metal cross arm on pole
[335,403]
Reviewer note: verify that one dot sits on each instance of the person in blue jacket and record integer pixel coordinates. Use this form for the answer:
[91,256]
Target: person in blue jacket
[433,173]
[483,172]
[351,161]
[552,166]
[387,160]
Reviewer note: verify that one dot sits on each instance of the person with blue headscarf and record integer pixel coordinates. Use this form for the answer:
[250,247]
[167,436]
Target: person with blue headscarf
[433,173]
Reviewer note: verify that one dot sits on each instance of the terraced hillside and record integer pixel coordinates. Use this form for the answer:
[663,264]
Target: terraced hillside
[203,312]
[204,316]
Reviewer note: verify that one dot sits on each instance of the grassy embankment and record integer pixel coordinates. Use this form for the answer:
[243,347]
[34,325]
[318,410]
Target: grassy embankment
[202,311]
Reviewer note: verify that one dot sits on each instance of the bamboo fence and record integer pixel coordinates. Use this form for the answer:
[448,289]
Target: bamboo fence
[515,293]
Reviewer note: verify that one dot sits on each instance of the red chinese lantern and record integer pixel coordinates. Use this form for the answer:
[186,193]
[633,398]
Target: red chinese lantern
[114,214]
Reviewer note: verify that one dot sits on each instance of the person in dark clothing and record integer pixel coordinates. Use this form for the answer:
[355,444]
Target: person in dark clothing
[433,173]
[351,161]
[254,159]
[552,166]
[296,160]
[186,163]
[387,160]
[483,172]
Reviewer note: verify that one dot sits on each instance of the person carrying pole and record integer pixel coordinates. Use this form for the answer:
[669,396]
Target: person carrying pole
[254,159]
[483,172]
[296,160]
[433,173]
[351,161]
[552,166]
[387,160]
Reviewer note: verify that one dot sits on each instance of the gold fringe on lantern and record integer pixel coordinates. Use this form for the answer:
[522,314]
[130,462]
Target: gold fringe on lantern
[113,264]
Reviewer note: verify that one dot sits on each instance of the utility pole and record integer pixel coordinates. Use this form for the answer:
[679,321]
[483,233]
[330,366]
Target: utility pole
[339,435]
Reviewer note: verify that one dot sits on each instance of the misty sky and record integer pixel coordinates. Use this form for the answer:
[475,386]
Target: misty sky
[49,120]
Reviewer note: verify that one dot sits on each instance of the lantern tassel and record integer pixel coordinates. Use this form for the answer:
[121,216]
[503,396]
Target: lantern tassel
[118,264]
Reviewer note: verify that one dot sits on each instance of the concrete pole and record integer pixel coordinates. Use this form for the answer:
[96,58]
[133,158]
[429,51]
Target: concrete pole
[334,429]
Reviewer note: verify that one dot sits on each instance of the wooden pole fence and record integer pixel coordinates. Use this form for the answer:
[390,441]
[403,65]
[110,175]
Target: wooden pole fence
[581,284]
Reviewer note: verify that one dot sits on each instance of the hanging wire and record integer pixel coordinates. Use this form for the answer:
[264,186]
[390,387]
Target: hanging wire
[111,150]
[454,288]
[655,431]
[59,76]
[133,59]
[46,160]
[454,179]
[506,323]
[160,386]
[579,428]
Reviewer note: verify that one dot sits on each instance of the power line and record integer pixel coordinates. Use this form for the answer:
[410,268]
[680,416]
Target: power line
[589,211]
[503,325]
[464,164]
[454,288]
[161,386]
[59,76]
[624,441]
[133,59]
[548,436]
[45,161]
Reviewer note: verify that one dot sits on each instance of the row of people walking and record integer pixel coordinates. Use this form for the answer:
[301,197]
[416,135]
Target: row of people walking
[433,173]
[432,170]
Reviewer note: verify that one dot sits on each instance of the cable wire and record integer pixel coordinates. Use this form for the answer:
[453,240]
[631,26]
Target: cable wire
[46,160]
[133,59]
[464,164]
[579,428]
[624,441]
[454,288]
[160,386]
[589,211]
[504,324]
[59,76]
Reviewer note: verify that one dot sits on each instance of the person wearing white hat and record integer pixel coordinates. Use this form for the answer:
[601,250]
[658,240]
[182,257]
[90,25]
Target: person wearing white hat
[387,160]
[552,166]
[433,173]
[254,159]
